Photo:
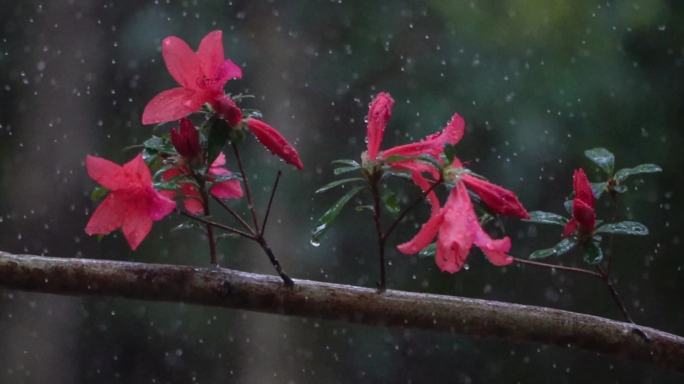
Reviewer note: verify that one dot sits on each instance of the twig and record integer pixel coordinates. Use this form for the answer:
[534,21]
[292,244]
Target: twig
[235,215]
[248,291]
[248,191]
[411,206]
[211,223]
[377,216]
[558,267]
[614,294]
[270,202]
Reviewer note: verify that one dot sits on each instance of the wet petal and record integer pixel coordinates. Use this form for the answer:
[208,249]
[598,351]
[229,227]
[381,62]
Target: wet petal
[499,199]
[210,53]
[275,142]
[137,223]
[181,62]
[379,114]
[230,189]
[172,104]
[433,144]
[108,216]
[137,169]
[570,228]
[456,234]
[584,215]
[424,236]
[193,206]
[582,187]
[106,173]
[496,250]
[160,205]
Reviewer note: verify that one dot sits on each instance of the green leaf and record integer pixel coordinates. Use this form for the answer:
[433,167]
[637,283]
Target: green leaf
[330,215]
[430,160]
[157,143]
[563,247]
[188,225]
[624,228]
[341,170]
[391,202]
[219,130]
[165,185]
[347,162]
[399,158]
[337,183]
[603,158]
[428,251]
[98,193]
[624,173]
[542,217]
[598,188]
[593,253]
[361,208]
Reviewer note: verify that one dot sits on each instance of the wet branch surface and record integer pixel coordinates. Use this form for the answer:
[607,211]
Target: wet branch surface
[263,293]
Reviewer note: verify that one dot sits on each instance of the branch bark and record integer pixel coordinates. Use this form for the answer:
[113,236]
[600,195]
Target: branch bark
[249,291]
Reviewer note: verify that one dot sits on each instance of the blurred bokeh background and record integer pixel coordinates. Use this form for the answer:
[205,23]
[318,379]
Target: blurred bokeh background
[537,81]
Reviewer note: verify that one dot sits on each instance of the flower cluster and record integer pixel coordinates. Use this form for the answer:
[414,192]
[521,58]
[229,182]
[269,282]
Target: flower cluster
[188,162]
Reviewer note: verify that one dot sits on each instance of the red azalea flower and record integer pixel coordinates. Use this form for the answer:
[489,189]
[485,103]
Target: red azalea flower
[270,138]
[186,140]
[201,77]
[192,199]
[457,228]
[583,214]
[379,114]
[132,203]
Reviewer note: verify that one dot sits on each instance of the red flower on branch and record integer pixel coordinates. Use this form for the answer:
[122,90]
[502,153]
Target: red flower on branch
[379,114]
[132,203]
[583,214]
[270,138]
[201,76]
[192,198]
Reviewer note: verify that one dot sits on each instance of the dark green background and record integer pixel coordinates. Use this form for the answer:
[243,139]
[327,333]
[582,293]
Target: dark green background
[538,82]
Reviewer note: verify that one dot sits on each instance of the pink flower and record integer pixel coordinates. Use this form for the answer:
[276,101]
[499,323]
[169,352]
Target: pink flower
[192,198]
[379,114]
[498,199]
[457,229]
[583,214]
[132,203]
[186,140]
[201,76]
[270,138]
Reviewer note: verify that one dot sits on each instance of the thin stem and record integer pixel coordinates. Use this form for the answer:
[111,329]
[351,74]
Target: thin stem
[211,223]
[558,267]
[235,215]
[270,202]
[377,213]
[609,256]
[248,191]
[276,264]
[201,182]
[614,293]
[411,206]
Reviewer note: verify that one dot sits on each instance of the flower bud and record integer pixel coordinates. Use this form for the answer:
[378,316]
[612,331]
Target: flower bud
[186,140]
[226,109]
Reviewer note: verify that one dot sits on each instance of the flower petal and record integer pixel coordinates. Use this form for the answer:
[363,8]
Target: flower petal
[499,199]
[210,53]
[379,114]
[137,169]
[160,205]
[108,216]
[570,227]
[182,63]
[137,223]
[229,189]
[424,236]
[582,187]
[496,250]
[172,104]
[433,144]
[106,173]
[275,142]
[456,235]
[584,214]
[193,205]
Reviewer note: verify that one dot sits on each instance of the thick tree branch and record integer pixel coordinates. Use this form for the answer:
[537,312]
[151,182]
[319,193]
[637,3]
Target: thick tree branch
[248,291]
